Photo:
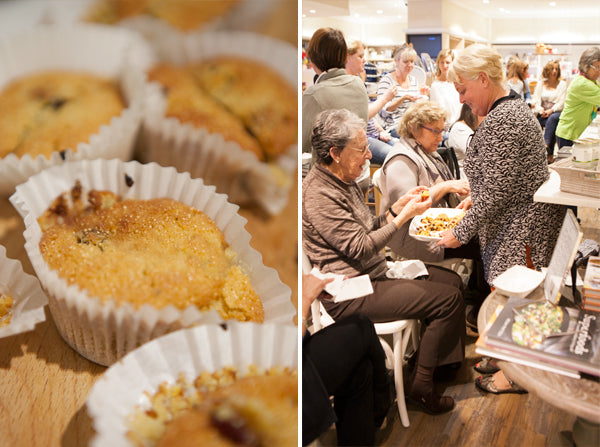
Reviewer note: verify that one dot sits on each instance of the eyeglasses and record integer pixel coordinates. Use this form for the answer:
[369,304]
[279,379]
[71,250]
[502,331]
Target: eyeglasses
[435,131]
[363,151]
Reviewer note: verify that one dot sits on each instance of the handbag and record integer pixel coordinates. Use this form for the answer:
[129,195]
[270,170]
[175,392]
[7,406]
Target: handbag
[547,104]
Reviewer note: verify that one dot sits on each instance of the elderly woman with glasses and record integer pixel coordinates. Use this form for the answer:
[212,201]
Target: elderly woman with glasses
[341,236]
[414,161]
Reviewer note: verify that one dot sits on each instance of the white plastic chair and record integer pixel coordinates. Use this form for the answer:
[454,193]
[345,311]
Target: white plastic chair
[419,74]
[402,331]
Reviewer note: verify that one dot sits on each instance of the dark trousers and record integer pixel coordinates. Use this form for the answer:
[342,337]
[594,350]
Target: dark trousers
[350,362]
[549,124]
[436,301]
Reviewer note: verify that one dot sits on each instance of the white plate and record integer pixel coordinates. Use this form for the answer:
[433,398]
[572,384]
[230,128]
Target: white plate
[518,281]
[433,212]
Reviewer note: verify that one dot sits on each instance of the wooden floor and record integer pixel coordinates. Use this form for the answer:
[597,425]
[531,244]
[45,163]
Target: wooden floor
[480,419]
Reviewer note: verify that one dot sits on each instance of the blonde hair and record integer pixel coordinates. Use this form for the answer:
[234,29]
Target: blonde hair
[353,45]
[475,59]
[404,49]
[442,55]
[419,114]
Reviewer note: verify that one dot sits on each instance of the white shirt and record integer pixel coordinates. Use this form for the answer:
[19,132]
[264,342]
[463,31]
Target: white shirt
[446,95]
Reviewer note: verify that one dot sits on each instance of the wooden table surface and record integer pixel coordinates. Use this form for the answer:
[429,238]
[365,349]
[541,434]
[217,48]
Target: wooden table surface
[44,383]
[580,397]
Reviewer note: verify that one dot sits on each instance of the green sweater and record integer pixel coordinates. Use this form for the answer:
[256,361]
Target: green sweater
[583,99]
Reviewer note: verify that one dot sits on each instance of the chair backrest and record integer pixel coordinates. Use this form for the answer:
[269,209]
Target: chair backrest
[449,156]
[419,74]
[320,317]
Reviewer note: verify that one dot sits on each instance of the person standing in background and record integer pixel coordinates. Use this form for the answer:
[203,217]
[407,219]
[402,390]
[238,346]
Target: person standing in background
[442,91]
[548,101]
[582,101]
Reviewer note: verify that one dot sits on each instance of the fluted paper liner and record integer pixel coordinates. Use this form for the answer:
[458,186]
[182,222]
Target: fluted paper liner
[234,171]
[165,39]
[101,50]
[25,289]
[190,352]
[104,332]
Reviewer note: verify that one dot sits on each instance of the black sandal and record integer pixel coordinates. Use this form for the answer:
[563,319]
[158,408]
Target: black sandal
[485,366]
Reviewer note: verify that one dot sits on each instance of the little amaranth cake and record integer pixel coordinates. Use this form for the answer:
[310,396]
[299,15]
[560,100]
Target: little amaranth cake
[241,99]
[54,110]
[158,252]
[223,408]
[184,15]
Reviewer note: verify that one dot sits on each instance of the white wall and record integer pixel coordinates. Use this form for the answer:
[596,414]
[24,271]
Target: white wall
[549,31]
[390,33]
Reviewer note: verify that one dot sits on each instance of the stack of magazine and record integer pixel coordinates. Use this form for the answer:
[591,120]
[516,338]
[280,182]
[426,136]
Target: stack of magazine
[564,340]
[542,333]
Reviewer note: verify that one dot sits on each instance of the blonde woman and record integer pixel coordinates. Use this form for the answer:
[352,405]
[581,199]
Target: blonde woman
[549,99]
[443,91]
[505,164]
[407,89]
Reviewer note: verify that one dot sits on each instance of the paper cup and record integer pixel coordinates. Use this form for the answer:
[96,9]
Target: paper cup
[29,299]
[190,352]
[105,51]
[234,171]
[104,332]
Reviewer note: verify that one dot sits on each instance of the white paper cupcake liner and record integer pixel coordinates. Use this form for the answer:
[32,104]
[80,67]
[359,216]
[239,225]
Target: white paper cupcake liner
[29,299]
[190,352]
[105,51]
[104,332]
[166,40]
[234,171]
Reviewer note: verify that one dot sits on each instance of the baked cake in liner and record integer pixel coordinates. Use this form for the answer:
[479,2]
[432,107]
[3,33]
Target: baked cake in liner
[166,376]
[102,328]
[51,70]
[225,110]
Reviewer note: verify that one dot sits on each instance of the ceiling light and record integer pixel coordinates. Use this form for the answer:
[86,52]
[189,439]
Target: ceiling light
[379,11]
[485,1]
[552,3]
[357,15]
[312,11]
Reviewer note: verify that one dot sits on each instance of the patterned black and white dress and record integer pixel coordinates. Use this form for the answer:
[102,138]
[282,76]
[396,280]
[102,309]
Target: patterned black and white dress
[506,163]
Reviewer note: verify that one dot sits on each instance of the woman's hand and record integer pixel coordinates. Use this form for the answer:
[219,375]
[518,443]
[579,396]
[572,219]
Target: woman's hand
[465,204]
[384,136]
[460,187]
[390,94]
[448,240]
[312,288]
[415,206]
[403,200]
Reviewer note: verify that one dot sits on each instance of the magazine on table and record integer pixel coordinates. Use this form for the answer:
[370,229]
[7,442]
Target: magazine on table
[565,337]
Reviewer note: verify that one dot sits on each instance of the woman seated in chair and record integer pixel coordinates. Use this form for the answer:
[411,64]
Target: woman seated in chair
[414,161]
[340,235]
